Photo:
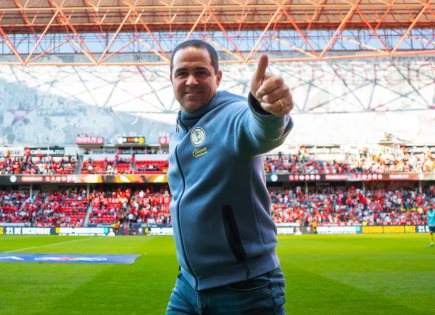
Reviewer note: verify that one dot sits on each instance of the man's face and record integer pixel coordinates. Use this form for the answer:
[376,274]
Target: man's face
[193,78]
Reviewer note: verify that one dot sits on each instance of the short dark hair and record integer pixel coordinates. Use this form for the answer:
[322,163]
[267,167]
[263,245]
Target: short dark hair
[197,43]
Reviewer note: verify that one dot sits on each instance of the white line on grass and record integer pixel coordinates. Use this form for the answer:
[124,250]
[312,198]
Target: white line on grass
[48,245]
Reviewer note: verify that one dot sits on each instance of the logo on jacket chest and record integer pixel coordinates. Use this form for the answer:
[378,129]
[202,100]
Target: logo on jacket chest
[197,137]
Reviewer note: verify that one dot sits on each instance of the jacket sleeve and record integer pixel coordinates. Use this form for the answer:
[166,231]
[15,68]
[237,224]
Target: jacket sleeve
[260,131]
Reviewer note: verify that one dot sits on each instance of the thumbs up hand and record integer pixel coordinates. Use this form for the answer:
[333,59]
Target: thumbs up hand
[270,90]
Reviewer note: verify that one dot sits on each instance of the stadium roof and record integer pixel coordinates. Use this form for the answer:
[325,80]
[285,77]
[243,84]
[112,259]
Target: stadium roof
[143,32]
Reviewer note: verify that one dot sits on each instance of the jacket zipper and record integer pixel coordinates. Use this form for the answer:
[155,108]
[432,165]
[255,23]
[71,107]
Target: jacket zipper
[189,266]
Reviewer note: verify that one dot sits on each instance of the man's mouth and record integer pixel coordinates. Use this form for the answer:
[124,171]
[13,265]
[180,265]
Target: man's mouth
[192,92]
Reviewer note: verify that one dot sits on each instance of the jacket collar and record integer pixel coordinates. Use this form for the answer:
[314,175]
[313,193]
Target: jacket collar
[189,119]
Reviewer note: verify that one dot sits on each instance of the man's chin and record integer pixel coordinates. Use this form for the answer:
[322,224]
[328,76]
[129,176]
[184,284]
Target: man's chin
[192,106]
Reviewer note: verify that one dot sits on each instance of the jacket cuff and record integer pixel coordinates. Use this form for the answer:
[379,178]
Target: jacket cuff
[256,106]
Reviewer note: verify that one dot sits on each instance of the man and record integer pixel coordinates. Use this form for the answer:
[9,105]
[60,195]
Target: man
[431,220]
[224,235]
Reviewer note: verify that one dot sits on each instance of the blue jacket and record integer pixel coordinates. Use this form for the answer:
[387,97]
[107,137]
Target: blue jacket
[220,205]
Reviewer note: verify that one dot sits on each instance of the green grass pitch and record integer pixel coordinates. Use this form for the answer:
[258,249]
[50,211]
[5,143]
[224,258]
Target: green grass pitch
[340,274]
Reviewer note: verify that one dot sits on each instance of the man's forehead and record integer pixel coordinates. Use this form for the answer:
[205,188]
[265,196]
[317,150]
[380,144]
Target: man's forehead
[192,55]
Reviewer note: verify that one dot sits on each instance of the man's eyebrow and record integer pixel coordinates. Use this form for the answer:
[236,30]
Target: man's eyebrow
[193,68]
[180,69]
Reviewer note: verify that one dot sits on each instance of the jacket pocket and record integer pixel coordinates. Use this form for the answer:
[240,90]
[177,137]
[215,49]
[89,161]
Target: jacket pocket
[232,233]
[249,285]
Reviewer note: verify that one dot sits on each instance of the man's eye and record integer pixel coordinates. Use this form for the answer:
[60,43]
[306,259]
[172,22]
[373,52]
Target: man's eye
[180,74]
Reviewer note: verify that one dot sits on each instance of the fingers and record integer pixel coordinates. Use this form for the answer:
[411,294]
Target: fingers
[280,107]
[260,72]
[270,90]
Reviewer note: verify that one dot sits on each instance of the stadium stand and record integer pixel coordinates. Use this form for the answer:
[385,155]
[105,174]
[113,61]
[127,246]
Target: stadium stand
[301,162]
[124,166]
[350,206]
[150,204]
[364,162]
[301,202]
[37,165]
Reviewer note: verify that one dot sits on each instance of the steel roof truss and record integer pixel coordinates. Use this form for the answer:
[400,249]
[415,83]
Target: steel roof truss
[24,15]
[67,22]
[301,34]
[402,28]
[341,27]
[415,20]
[114,37]
[255,48]
[94,15]
[237,55]
[387,11]
[56,7]
[42,35]
[195,24]
[375,34]
[161,53]
[230,53]
[46,52]
[359,43]
[11,46]
[304,52]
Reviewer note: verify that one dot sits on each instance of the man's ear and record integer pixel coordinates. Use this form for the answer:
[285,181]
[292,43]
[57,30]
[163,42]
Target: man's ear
[219,77]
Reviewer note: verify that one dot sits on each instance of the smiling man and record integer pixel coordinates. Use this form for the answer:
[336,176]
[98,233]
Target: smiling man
[224,235]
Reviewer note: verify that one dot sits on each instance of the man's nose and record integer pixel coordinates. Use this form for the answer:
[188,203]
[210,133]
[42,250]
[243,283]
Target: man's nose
[191,80]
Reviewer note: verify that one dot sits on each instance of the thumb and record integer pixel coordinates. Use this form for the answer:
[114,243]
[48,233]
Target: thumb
[260,73]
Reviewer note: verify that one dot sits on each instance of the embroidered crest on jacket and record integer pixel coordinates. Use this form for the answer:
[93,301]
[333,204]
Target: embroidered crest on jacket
[197,136]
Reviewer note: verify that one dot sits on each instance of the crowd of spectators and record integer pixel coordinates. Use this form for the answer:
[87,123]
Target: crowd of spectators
[11,204]
[115,205]
[368,161]
[42,165]
[68,207]
[58,208]
[123,166]
[379,162]
[149,205]
[402,206]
